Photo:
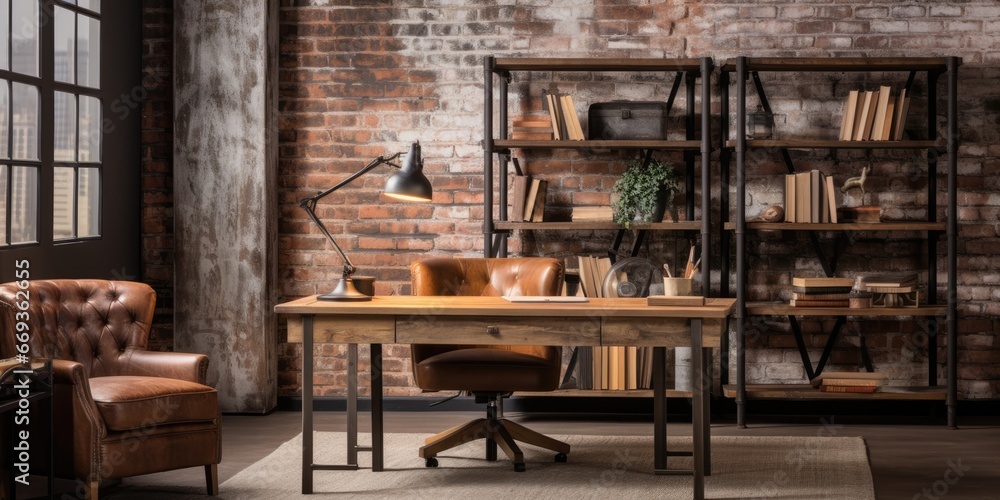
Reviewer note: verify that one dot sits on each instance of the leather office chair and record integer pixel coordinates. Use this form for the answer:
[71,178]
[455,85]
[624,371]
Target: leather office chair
[488,372]
[120,410]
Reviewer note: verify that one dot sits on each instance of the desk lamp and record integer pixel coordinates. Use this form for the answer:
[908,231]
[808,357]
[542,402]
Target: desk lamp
[408,184]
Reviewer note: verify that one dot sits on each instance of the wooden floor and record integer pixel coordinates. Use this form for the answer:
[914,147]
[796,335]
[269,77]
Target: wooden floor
[906,459]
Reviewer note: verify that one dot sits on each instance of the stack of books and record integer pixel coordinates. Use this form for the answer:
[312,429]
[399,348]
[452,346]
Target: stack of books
[810,197]
[891,283]
[592,214]
[874,115]
[821,292]
[856,382]
[531,129]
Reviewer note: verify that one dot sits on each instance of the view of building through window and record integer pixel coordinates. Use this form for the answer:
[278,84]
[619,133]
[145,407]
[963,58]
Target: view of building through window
[74,124]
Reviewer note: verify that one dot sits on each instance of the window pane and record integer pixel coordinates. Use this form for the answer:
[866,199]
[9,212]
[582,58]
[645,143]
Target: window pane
[25,122]
[24,205]
[88,202]
[90,129]
[65,46]
[94,5]
[3,204]
[24,36]
[65,127]
[62,202]
[88,52]
[4,36]
[4,114]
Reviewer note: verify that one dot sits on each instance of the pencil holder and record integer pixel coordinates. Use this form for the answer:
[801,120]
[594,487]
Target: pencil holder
[677,286]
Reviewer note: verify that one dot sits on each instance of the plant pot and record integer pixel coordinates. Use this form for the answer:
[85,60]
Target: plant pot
[662,197]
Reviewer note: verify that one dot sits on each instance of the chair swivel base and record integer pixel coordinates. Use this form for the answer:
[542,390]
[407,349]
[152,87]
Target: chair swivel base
[497,432]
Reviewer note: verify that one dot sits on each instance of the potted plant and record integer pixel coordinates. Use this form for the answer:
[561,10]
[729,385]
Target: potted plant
[644,192]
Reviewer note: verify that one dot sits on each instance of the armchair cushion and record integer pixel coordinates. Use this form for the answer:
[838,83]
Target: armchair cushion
[130,402]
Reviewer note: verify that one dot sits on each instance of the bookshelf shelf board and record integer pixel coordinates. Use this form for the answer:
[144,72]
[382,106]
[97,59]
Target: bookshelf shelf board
[841,64]
[597,393]
[835,144]
[598,144]
[595,64]
[806,391]
[843,226]
[584,226]
[783,309]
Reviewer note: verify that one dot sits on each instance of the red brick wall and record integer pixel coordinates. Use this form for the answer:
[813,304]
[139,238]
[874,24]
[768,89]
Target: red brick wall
[157,165]
[360,81]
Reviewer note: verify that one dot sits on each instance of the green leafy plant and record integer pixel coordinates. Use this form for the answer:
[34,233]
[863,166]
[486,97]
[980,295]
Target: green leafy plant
[641,188]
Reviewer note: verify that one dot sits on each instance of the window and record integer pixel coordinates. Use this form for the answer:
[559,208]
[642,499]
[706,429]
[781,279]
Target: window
[56,172]
[75,123]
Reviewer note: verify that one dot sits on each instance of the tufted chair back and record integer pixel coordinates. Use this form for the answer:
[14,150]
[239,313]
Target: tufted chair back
[96,323]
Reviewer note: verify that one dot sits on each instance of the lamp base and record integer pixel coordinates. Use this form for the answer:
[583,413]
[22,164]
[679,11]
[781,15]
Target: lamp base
[345,290]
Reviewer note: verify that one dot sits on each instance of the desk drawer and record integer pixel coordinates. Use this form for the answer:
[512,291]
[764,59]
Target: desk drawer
[368,329]
[658,332]
[480,330]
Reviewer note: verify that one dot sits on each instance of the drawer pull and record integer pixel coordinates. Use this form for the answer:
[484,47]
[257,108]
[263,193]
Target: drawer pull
[493,330]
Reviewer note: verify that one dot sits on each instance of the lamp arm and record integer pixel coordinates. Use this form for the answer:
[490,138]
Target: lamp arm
[309,205]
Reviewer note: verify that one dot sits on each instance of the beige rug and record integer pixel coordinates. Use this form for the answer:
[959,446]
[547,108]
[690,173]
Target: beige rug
[599,467]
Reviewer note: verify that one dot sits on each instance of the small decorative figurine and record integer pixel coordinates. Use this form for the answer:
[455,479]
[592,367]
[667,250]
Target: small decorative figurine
[857,182]
[863,213]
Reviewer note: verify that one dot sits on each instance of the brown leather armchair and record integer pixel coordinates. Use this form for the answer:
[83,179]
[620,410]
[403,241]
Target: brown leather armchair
[121,410]
[488,372]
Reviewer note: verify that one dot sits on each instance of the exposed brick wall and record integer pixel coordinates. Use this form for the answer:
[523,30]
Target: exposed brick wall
[363,80]
[157,165]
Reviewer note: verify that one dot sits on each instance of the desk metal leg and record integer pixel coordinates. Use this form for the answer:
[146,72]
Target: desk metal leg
[376,374]
[352,404]
[698,409]
[307,404]
[659,409]
[707,408]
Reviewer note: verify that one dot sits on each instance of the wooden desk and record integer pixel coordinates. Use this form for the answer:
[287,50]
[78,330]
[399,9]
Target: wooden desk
[490,321]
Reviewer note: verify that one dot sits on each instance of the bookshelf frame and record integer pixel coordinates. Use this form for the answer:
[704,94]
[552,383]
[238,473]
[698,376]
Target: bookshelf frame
[497,148]
[746,69]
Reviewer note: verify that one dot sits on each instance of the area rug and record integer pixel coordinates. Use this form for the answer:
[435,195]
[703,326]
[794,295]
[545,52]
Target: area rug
[599,467]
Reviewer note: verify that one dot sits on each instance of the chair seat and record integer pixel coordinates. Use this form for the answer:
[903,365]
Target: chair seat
[487,370]
[130,402]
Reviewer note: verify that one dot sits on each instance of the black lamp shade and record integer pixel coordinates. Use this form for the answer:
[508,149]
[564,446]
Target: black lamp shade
[409,183]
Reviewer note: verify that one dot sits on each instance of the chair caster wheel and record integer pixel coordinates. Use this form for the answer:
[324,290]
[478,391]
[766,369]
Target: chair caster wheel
[560,457]
[431,462]
[519,468]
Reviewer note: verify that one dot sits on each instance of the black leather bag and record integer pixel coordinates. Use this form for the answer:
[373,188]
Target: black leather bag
[627,120]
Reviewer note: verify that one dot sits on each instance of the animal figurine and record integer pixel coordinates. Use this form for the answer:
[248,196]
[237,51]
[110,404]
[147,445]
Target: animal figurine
[856,182]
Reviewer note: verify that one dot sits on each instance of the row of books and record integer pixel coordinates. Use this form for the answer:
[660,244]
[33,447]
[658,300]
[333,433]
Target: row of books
[856,382]
[608,367]
[527,199]
[874,115]
[614,368]
[810,197]
[563,118]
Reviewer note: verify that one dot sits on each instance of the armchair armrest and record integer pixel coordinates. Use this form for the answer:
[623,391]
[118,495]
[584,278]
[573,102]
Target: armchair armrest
[179,365]
[86,414]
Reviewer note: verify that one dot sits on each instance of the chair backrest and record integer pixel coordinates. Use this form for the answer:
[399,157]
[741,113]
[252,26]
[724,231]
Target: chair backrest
[92,322]
[480,276]
[485,277]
